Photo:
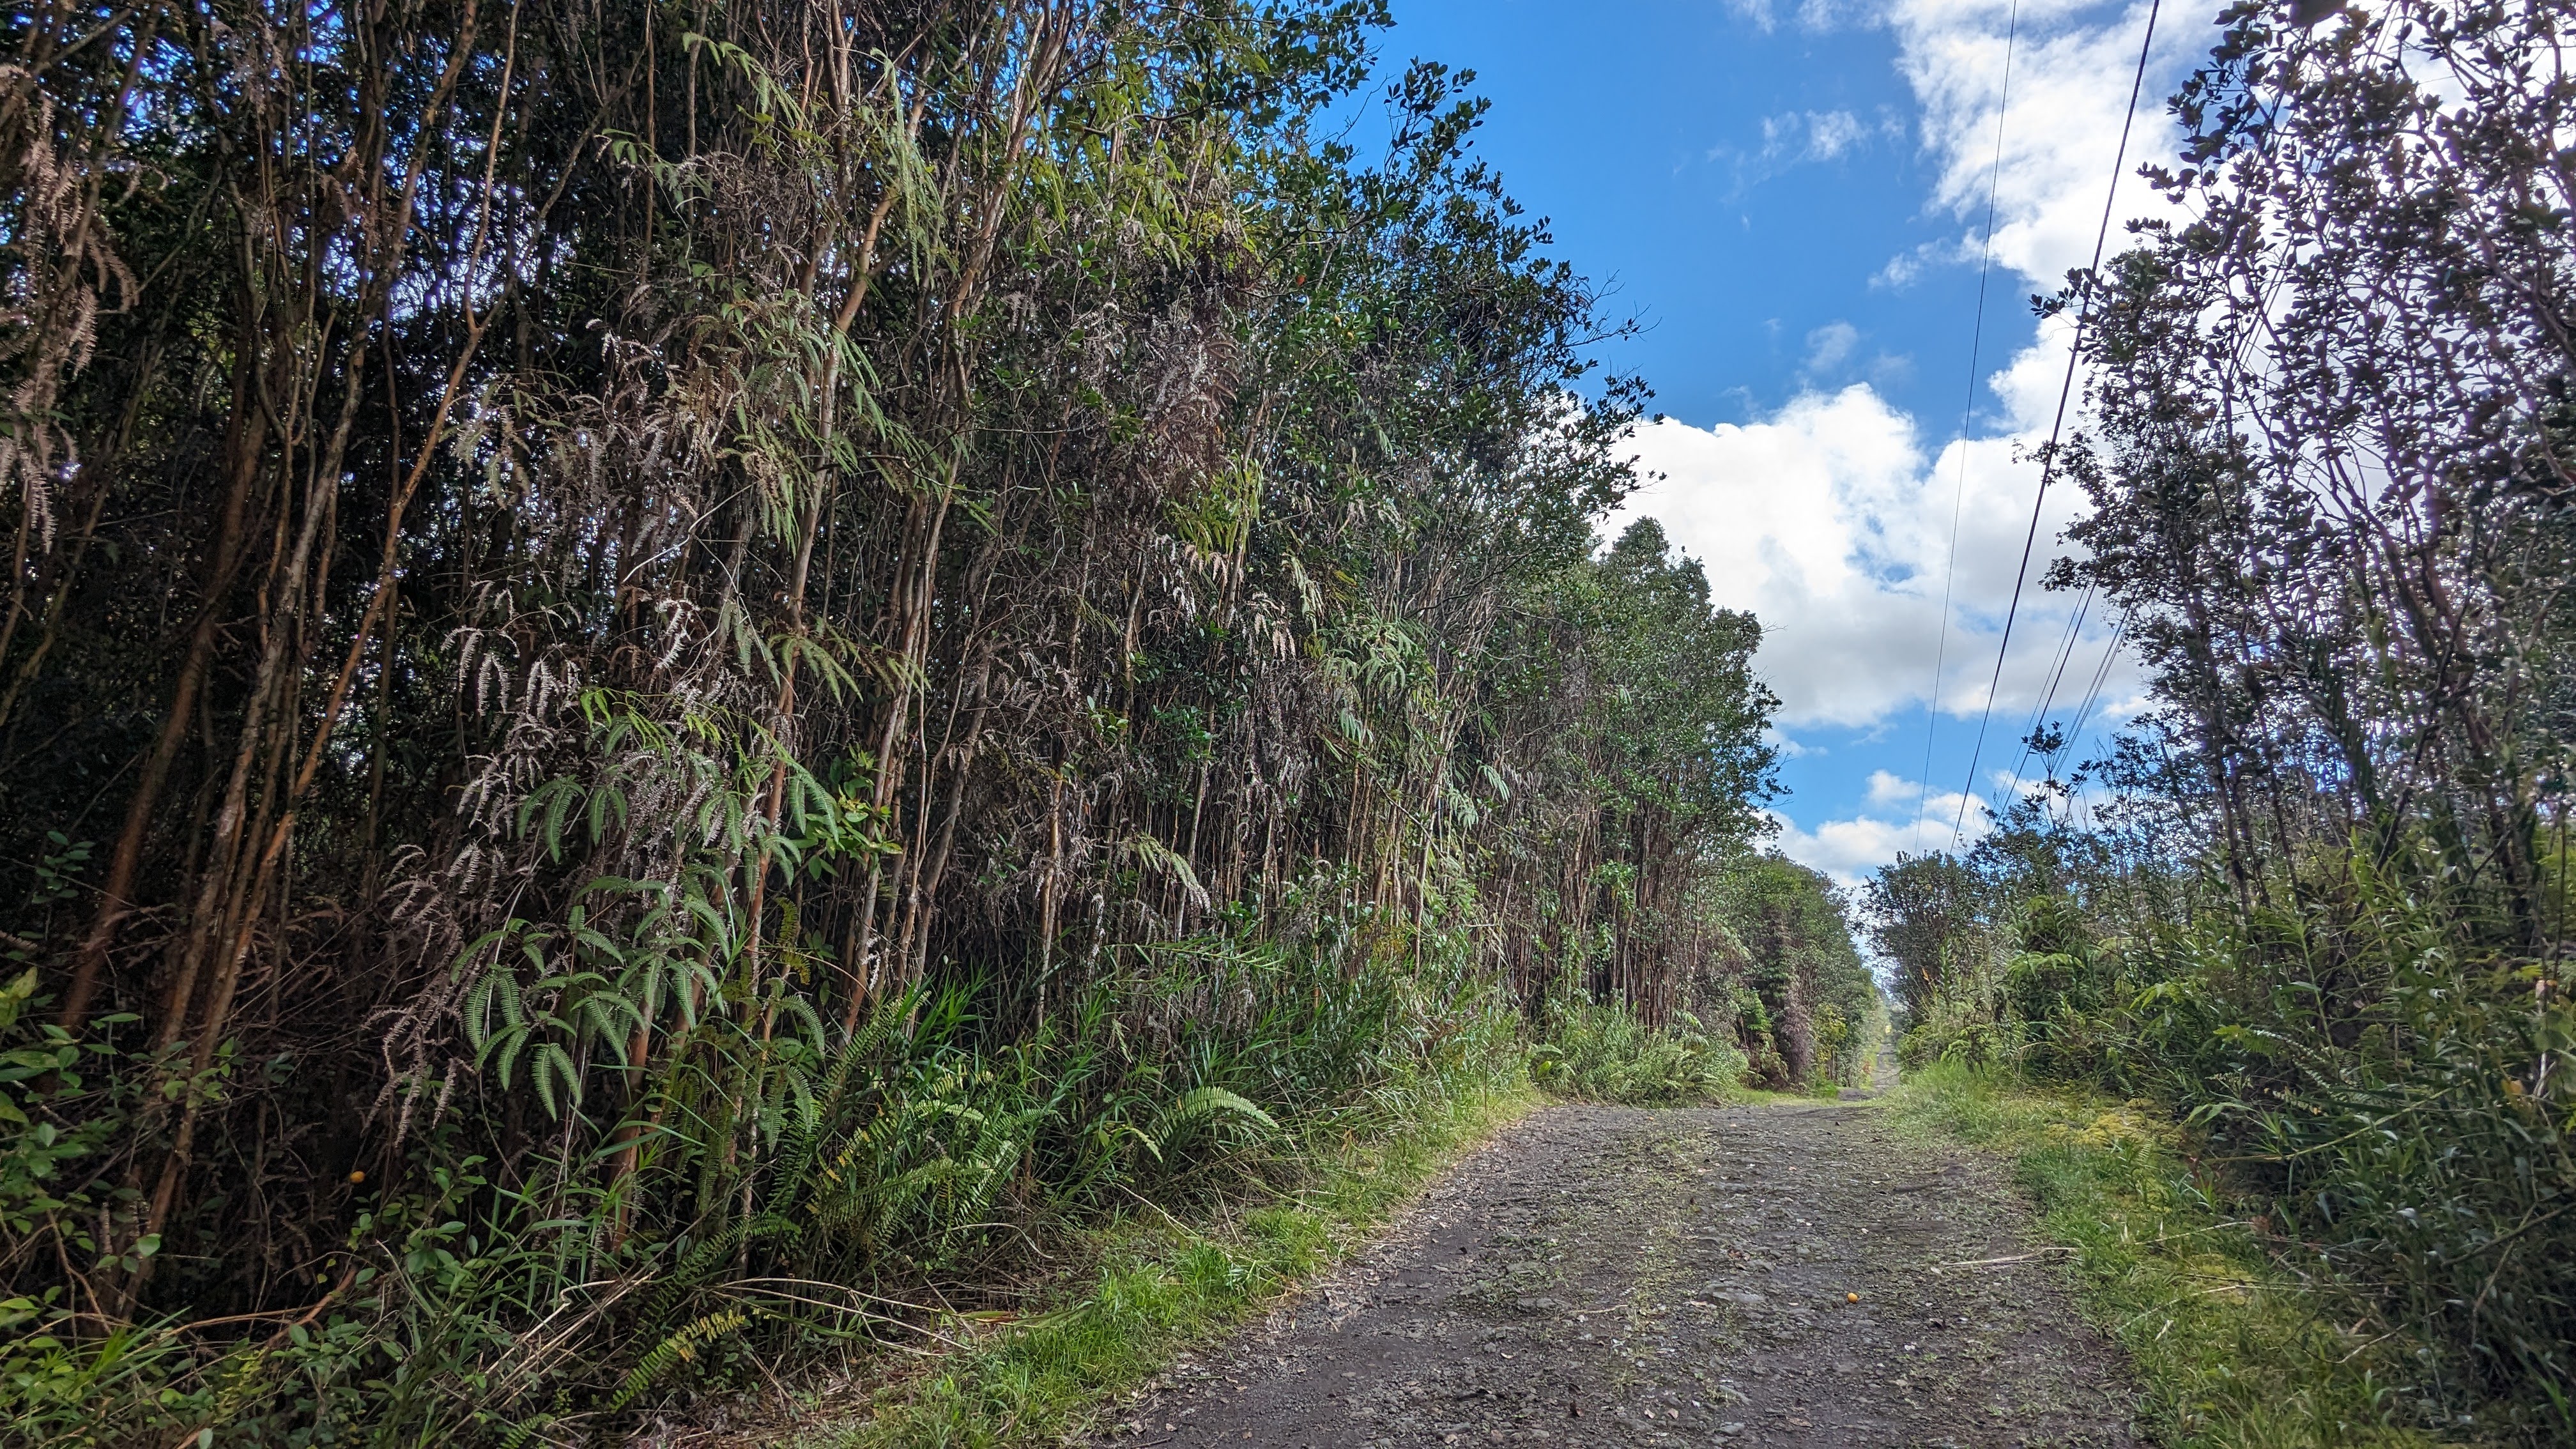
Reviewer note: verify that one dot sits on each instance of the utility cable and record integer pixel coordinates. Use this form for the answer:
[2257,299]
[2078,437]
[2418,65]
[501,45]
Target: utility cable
[2065,390]
[2056,676]
[2269,292]
[1967,414]
[2092,695]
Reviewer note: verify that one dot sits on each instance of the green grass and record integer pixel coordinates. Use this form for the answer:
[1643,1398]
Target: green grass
[1156,1286]
[1152,1286]
[1598,1051]
[2232,1351]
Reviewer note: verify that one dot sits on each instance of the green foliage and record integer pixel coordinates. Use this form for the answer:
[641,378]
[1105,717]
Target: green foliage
[2229,1341]
[2320,908]
[2377,1090]
[731,676]
[1820,1002]
[925,1151]
[1638,694]
[1161,1285]
[1603,1053]
[2386,1086]
[53,1375]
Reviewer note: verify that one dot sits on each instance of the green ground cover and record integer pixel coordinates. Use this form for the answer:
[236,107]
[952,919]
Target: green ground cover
[1158,1285]
[2232,1351]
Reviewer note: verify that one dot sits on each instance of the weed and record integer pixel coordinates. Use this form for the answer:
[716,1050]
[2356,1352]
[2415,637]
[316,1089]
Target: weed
[2235,1350]
[1157,1286]
[1601,1052]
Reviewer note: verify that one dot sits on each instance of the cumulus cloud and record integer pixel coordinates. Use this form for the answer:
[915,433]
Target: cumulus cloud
[1846,851]
[1833,356]
[2071,64]
[1830,521]
[1890,789]
[1831,518]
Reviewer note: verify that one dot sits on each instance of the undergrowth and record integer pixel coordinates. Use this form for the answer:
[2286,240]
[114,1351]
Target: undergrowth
[2233,1350]
[1158,1284]
[1036,1221]
[1155,1284]
[2386,1094]
[1600,1052]
[928,1169]
[1151,1285]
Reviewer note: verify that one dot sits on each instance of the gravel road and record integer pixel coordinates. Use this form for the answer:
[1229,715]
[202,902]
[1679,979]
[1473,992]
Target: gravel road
[1779,1274]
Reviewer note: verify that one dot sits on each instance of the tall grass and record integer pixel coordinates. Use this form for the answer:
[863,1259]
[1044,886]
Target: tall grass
[1159,1284]
[2233,1348]
[782,1205]
[2399,1098]
[1599,1051]
[2387,1093]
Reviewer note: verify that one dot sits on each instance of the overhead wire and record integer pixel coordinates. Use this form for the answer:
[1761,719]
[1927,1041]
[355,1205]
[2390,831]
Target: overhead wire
[2120,629]
[2092,694]
[2065,390]
[2056,676]
[1967,414]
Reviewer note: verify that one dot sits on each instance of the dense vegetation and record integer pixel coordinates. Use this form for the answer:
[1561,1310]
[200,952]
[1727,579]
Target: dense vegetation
[2318,898]
[677,677]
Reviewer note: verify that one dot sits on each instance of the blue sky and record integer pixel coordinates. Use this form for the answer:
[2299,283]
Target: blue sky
[1789,196]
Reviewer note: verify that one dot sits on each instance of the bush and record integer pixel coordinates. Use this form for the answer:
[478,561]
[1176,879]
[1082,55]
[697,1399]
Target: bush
[927,1160]
[2380,1087]
[1601,1052]
[2231,1348]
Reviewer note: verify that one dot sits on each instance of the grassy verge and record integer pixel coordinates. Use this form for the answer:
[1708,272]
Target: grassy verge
[1157,1285]
[1597,1051]
[2233,1352]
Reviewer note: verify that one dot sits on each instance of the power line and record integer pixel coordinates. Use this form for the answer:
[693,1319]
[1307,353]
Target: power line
[2101,676]
[2065,389]
[2120,631]
[2056,677]
[1967,414]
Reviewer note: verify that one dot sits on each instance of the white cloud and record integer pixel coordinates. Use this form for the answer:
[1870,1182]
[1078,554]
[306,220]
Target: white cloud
[2072,62]
[1798,138]
[1759,12]
[1831,519]
[1833,356]
[1831,524]
[1830,346]
[1889,789]
[1813,15]
[1812,135]
[1848,850]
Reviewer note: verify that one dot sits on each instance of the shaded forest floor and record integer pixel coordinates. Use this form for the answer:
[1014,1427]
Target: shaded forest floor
[1789,1273]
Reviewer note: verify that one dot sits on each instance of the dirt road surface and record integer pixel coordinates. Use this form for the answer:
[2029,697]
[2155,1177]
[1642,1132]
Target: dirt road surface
[1791,1274]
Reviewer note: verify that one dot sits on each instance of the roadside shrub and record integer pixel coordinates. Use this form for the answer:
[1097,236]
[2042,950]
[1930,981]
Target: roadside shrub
[1600,1052]
[2230,1345]
[788,1201]
[1961,1020]
[2389,1094]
